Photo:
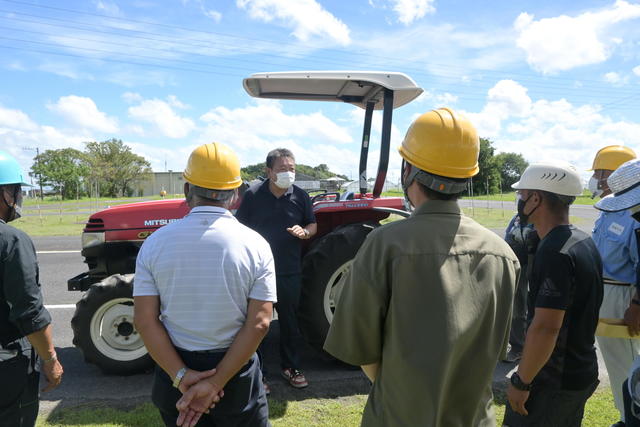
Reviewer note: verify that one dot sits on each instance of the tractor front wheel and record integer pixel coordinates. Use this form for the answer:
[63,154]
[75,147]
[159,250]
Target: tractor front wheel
[324,269]
[103,328]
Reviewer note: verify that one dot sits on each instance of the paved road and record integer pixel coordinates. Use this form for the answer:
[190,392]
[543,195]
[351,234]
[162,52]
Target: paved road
[60,260]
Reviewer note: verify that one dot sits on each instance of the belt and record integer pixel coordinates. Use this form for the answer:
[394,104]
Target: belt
[615,282]
[215,350]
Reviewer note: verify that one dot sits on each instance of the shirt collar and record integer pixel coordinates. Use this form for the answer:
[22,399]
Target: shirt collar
[438,207]
[265,187]
[210,209]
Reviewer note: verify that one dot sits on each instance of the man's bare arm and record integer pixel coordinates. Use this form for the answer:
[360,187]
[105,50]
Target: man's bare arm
[540,341]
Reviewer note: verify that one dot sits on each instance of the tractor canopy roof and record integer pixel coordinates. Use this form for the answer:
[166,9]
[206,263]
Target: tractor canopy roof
[353,87]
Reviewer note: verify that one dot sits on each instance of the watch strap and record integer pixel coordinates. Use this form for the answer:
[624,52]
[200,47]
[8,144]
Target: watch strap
[517,382]
[181,373]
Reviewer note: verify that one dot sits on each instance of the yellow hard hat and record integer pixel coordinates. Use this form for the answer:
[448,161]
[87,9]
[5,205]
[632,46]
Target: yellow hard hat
[612,157]
[443,143]
[214,166]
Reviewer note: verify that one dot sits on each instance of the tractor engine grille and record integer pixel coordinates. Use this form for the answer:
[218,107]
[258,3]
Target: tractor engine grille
[94,224]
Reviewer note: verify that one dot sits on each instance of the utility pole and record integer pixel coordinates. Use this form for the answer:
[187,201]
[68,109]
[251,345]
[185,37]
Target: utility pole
[37,150]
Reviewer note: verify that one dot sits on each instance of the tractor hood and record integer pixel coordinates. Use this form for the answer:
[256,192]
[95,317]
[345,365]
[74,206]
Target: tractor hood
[135,221]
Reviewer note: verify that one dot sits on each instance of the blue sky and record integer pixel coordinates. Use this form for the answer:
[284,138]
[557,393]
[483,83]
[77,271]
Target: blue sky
[548,79]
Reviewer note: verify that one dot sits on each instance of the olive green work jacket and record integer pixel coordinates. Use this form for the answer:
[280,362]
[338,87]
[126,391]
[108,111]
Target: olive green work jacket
[430,299]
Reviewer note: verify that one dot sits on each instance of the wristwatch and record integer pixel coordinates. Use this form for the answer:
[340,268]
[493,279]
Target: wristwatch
[517,382]
[179,376]
[306,233]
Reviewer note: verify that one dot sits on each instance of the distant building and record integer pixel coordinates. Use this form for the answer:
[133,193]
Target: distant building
[170,181]
[354,186]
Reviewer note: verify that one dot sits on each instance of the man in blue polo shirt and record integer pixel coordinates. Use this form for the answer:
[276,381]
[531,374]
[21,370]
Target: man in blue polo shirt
[282,213]
[615,237]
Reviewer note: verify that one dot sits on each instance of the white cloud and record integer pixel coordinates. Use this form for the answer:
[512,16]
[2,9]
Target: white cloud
[65,70]
[547,130]
[636,70]
[256,129]
[465,49]
[616,79]
[213,14]
[505,100]
[83,113]
[163,117]
[15,120]
[107,7]
[437,99]
[565,42]
[267,120]
[206,11]
[307,18]
[411,10]
[131,97]
[18,131]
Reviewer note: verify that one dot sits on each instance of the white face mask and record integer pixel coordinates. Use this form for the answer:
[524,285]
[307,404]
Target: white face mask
[594,187]
[285,179]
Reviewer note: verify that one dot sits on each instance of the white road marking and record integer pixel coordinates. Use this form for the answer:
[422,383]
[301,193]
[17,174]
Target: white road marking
[54,306]
[57,252]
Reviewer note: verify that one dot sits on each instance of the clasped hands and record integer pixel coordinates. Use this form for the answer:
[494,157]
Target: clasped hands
[200,393]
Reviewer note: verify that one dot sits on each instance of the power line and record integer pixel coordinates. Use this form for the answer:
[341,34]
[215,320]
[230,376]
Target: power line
[546,86]
[122,62]
[554,86]
[276,43]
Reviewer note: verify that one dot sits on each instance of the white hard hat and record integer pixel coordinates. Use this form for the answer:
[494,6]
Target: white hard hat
[557,178]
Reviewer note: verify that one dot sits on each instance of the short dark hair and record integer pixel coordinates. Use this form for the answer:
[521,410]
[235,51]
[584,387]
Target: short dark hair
[206,196]
[435,195]
[557,202]
[276,154]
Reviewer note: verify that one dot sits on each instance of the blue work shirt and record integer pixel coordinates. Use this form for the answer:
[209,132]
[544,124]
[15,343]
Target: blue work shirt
[271,216]
[615,238]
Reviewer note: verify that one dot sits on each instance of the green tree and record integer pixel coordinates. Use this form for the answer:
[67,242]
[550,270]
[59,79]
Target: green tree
[511,166]
[488,179]
[115,166]
[319,172]
[62,169]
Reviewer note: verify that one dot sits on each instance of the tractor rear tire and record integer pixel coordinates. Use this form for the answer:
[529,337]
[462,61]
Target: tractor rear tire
[103,328]
[323,271]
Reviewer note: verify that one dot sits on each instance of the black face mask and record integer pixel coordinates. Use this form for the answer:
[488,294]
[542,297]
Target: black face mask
[524,218]
[15,209]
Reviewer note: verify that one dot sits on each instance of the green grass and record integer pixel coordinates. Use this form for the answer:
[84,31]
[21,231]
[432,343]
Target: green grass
[585,199]
[29,202]
[340,412]
[52,225]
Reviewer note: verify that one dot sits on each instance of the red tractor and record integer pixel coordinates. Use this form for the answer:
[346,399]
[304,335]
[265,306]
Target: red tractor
[103,322]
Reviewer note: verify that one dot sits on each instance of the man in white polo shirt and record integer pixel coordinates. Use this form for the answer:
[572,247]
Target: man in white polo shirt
[203,292]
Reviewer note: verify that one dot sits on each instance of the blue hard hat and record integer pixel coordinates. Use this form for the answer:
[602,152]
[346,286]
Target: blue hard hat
[10,170]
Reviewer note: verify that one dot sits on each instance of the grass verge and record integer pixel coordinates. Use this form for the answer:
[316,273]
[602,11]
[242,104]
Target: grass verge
[340,412]
[52,225]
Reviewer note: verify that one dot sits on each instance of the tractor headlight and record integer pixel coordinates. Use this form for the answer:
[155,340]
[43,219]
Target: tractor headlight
[92,239]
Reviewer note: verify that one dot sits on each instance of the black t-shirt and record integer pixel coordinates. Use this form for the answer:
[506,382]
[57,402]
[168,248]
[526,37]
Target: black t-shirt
[271,216]
[567,275]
